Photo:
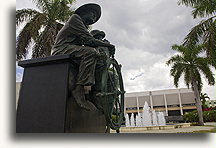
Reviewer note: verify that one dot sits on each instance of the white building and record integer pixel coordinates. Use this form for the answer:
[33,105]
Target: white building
[173,102]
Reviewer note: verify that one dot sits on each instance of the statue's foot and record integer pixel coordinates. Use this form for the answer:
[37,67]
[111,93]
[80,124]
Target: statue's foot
[79,96]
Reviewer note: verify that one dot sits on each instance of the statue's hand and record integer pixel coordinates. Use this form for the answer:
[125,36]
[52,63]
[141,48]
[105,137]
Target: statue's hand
[102,56]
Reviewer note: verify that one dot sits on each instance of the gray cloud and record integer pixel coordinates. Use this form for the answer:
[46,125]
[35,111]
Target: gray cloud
[146,25]
[143,32]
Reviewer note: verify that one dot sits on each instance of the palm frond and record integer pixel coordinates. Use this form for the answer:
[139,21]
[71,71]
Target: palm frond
[30,31]
[203,96]
[205,8]
[187,76]
[203,65]
[56,10]
[178,48]
[188,2]
[25,15]
[43,5]
[176,58]
[42,27]
[177,77]
[23,41]
[194,52]
[198,79]
[44,42]
[64,12]
[176,71]
[210,43]
[55,6]
[197,32]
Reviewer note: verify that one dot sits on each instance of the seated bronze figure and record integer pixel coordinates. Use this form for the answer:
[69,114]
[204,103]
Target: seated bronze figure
[75,39]
[97,67]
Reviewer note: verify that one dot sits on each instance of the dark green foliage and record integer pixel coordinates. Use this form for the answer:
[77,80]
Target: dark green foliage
[191,116]
[205,32]
[189,64]
[41,26]
[208,116]
[203,97]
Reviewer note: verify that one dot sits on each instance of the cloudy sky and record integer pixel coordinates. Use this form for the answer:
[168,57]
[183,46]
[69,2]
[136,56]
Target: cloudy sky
[143,32]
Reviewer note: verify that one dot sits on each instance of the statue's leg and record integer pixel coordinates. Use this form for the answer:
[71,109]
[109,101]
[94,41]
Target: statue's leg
[86,74]
[79,95]
[87,65]
[100,68]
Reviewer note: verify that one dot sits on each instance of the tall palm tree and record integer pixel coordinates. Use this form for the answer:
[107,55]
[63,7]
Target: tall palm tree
[189,64]
[41,26]
[205,32]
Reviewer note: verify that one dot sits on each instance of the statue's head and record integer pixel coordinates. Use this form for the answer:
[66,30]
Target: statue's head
[98,34]
[90,13]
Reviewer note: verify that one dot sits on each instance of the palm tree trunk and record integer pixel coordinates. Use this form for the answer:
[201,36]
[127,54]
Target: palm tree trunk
[198,102]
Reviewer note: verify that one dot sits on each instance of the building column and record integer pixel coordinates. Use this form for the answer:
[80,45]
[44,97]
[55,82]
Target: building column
[180,102]
[165,102]
[137,99]
[151,102]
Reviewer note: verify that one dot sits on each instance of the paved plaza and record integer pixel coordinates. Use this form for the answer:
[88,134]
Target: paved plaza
[188,129]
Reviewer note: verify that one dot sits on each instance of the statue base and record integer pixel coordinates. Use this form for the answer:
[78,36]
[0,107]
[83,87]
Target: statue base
[44,104]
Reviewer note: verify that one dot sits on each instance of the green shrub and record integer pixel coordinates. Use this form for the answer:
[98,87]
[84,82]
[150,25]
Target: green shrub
[208,116]
[191,116]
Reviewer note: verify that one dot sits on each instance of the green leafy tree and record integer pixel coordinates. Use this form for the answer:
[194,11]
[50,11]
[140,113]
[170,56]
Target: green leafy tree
[205,32]
[189,64]
[41,26]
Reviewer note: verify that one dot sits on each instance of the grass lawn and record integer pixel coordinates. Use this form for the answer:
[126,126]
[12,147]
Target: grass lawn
[206,131]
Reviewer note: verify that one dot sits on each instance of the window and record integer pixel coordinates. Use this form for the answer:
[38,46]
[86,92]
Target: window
[131,108]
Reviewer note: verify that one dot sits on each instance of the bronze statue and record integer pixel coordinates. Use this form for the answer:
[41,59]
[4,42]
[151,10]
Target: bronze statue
[97,67]
[75,39]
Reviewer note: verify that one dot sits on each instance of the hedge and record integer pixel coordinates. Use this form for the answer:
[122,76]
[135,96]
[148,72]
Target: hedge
[208,116]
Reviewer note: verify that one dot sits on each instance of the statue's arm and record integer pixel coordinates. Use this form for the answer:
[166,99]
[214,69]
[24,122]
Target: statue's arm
[95,43]
[80,30]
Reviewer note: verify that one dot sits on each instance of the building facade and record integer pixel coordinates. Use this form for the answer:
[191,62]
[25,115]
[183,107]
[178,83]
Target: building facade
[173,102]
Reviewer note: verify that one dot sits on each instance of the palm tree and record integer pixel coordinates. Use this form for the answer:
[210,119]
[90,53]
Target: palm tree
[205,32]
[189,64]
[41,26]
[203,97]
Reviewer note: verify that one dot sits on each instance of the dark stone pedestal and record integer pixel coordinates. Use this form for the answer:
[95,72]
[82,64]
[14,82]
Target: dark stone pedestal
[44,104]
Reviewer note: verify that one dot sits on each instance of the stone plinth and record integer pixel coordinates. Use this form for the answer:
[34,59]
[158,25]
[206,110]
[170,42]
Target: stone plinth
[44,104]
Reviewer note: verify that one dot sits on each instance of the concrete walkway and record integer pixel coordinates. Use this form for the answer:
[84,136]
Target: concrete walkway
[190,129]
